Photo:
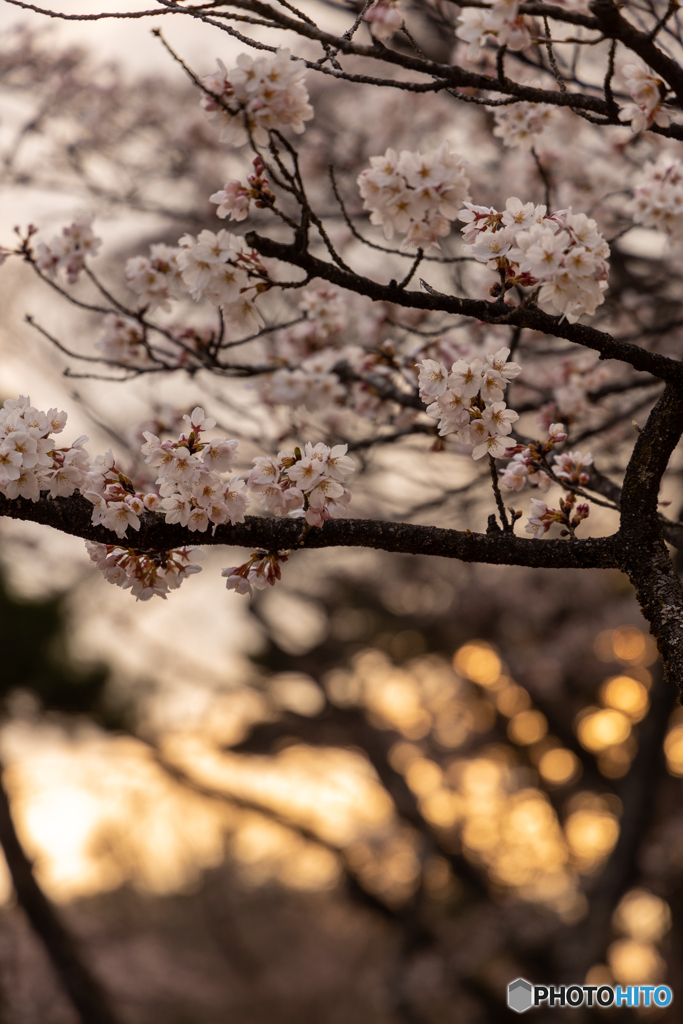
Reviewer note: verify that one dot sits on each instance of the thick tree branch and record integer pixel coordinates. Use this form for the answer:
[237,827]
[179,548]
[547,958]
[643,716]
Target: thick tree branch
[73,515]
[617,27]
[645,557]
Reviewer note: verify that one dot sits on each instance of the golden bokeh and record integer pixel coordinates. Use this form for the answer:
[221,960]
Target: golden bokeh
[673,748]
[614,762]
[423,776]
[627,644]
[559,766]
[512,699]
[478,662]
[591,834]
[527,727]
[635,963]
[599,728]
[441,807]
[623,693]
[643,916]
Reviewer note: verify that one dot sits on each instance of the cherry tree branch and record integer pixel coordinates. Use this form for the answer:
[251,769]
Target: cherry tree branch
[662,367]
[73,515]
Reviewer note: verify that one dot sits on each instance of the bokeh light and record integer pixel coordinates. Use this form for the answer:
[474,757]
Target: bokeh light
[599,728]
[478,662]
[626,644]
[673,744]
[623,693]
[559,766]
[527,727]
[635,963]
[642,916]
[591,832]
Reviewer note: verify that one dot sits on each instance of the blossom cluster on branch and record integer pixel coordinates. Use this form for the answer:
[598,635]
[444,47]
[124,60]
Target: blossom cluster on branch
[68,252]
[658,196]
[501,23]
[258,94]
[563,252]
[188,490]
[647,92]
[415,194]
[469,401]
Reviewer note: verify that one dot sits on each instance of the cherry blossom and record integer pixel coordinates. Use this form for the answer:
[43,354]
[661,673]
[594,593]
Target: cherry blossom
[257,95]
[415,194]
[68,251]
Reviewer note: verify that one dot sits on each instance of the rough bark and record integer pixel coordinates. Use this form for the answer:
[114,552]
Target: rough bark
[73,515]
[644,554]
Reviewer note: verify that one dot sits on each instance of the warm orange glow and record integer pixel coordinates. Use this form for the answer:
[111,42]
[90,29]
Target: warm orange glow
[628,643]
[616,761]
[635,963]
[527,727]
[423,776]
[512,699]
[441,808]
[643,916]
[591,834]
[602,728]
[559,766]
[478,662]
[673,748]
[402,754]
[628,695]
[453,725]
[599,975]
[602,645]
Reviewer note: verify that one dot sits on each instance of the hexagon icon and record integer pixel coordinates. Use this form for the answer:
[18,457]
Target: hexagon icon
[520,995]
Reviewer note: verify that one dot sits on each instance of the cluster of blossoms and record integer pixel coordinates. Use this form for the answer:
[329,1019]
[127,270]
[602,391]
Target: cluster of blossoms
[69,250]
[658,197]
[501,23]
[145,573]
[155,277]
[385,18]
[260,571]
[219,267]
[234,200]
[305,483]
[416,194]
[30,461]
[542,517]
[526,465]
[562,252]
[190,490]
[518,124]
[257,95]
[647,92]
[469,401]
